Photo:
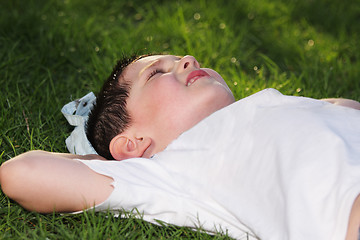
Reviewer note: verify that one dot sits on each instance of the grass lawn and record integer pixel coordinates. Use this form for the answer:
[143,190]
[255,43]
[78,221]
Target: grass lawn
[54,51]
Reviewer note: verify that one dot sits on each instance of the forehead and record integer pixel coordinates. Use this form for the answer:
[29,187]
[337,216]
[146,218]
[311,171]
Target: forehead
[145,61]
[152,58]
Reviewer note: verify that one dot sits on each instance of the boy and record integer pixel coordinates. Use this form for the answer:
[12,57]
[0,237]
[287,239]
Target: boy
[244,168]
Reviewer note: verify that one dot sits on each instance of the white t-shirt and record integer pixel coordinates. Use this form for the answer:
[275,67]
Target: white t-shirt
[279,167]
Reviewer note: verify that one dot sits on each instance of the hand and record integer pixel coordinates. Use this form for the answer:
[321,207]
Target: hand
[343,102]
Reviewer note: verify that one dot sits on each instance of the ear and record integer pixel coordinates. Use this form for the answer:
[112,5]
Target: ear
[124,147]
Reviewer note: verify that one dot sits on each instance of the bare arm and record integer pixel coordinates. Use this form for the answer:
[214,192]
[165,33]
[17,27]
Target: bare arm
[343,102]
[43,182]
[74,156]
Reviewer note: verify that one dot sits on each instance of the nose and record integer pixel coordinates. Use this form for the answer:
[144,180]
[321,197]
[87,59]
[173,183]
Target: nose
[188,61]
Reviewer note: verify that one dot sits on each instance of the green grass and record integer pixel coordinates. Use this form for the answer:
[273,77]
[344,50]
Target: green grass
[52,52]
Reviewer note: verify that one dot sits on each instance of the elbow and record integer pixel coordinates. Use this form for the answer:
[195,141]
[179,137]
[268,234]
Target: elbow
[9,177]
[6,177]
[14,172]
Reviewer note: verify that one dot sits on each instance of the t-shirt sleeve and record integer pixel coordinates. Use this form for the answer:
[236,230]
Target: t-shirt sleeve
[146,189]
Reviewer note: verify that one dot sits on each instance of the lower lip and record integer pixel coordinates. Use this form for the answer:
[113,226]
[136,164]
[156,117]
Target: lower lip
[195,75]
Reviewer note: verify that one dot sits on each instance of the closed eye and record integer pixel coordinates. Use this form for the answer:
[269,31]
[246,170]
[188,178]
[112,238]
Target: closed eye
[153,73]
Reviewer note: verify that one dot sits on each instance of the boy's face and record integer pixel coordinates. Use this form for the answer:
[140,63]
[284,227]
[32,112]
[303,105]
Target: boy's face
[170,94]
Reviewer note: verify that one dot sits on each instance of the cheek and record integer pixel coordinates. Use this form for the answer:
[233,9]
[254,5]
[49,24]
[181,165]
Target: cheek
[165,91]
[164,100]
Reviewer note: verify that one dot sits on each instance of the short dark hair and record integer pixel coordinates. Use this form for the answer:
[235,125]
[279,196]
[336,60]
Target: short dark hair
[109,116]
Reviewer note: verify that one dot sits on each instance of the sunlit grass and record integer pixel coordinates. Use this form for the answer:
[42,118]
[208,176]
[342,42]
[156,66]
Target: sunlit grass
[54,51]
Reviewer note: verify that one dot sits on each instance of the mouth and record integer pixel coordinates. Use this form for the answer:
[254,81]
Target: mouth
[195,75]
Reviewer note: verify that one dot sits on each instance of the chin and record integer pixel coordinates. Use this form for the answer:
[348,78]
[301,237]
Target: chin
[221,101]
[224,96]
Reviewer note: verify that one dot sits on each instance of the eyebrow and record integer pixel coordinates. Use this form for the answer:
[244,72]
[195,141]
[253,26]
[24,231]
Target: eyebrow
[151,65]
